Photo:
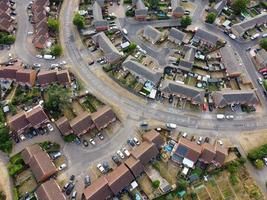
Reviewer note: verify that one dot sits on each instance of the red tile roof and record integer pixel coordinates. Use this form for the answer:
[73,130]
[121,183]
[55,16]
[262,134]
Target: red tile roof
[29,152]
[63,125]
[155,137]
[82,123]
[208,153]
[103,117]
[47,77]
[134,166]
[26,76]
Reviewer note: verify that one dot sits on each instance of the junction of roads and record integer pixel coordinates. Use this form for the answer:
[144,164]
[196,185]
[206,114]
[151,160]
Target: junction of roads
[133,109]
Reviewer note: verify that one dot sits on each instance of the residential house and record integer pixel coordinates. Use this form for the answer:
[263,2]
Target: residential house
[103,117]
[45,78]
[152,34]
[177,9]
[50,190]
[230,61]
[228,97]
[206,38]
[119,178]
[40,163]
[82,123]
[218,7]
[99,189]
[33,118]
[208,153]
[221,154]
[6,21]
[26,77]
[141,10]
[145,152]
[192,94]
[142,72]
[186,152]
[259,58]
[41,35]
[110,51]
[135,166]
[153,136]
[177,36]
[99,23]
[63,125]
[240,28]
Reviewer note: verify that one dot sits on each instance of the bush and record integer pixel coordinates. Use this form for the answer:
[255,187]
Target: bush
[14,169]
[155,184]
[233,179]
[129,13]
[6,38]
[181,185]
[186,21]
[257,153]
[53,25]
[5,140]
[56,50]
[15,194]
[239,6]
[69,138]
[259,164]
[210,18]
[79,21]
[263,43]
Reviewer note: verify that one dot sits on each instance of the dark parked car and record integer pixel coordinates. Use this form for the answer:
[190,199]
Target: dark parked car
[85,143]
[116,159]
[70,188]
[131,142]
[207,139]
[87,181]
[72,178]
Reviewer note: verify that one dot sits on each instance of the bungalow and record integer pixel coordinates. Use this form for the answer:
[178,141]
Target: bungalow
[142,72]
[119,179]
[40,163]
[145,152]
[45,78]
[177,36]
[99,23]
[64,126]
[49,190]
[186,152]
[227,97]
[82,123]
[103,117]
[177,9]
[154,137]
[152,34]
[111,52]
[33,118]
[141,10]
[240,28]
[135,166]
[193,94]
[203,37]
[99,189]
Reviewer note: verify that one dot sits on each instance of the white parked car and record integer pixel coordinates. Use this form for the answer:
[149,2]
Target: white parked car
[125,151]
[220,116]
[260,81]
[22,137]
[39,56]
[220,142]
[230,117]
[37,65]
[136,141]
[63,62]
[54,65]
[50,127]
[265,161]
[184,135]
[124,31]
[232,36]
[92,142]
[264,35]
[101,168]
[63,166]
[199,141]
[255,36]
[171,125]
[120,154]
[56,155]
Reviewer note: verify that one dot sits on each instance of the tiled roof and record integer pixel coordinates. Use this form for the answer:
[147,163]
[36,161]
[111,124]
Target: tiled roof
[82,123]
[152,34]
[154,137]
[63,125]
[134,165]
[103,117]
[29,152]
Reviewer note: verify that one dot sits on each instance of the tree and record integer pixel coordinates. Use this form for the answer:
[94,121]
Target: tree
[155,184]
[186,21]
[263,43]
[181,185]
[53,25]
[79,21]
[56,50]
[5,141]
[57,98]
[259,164]
[210,18]
[153,4]
[239,6]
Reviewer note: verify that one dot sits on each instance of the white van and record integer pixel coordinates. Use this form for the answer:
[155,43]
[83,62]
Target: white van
[171,125]
[220,116]
[255,36]
[49,57]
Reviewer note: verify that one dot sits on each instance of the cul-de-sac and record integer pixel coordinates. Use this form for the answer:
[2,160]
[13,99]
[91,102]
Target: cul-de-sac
[133,100]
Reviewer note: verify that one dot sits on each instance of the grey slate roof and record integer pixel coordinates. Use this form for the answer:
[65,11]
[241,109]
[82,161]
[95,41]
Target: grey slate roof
[195,94]
[175,4]
[141,9]
[152,34]
[140,70]
[219,7]
[110,51]
[176,36]
[186,64]
[200,34]
[230,61]
[228,97]
[241,27]
[97,14]
[190,52]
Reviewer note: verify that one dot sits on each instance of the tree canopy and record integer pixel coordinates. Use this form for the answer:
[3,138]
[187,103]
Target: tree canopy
[186,21]
[56,50]
[79,21]
[263,43]
[210,18]
[53,25]
[239,6]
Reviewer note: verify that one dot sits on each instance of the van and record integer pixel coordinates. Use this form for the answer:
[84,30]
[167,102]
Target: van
[220,116]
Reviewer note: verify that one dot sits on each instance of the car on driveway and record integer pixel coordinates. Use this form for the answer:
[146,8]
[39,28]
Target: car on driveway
[74,195]
[92,142]
[116,159]
[85,143]
[232,36]
[125,151]
[70,188]
[100,168]
[100,135]
[120,154]
[56,155]
[63,166]
[87,181]
[136,141]
[131,142]
[229,117]
[50,127]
